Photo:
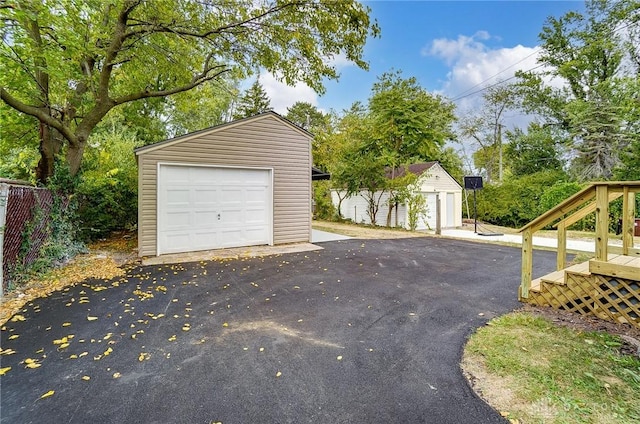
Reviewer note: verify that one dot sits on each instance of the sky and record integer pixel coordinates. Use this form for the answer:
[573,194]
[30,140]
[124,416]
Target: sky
[453,48]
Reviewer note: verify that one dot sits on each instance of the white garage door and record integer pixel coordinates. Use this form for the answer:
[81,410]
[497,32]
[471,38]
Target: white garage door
[201,208]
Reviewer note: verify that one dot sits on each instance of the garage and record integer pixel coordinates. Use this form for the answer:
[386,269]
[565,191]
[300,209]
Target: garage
[244,183]
[202,207]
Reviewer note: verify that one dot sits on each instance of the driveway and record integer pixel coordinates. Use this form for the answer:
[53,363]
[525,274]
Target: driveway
[364,331]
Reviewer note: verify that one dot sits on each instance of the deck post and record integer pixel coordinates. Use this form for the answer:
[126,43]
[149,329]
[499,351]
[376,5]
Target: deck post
[527,262]
[628,219]
[602,222]
[561,261]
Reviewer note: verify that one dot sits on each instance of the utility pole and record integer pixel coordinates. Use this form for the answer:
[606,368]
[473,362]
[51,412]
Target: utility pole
[500,151]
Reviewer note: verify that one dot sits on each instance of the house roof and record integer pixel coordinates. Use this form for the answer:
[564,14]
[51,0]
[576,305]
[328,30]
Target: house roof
[185,137]
[416,169]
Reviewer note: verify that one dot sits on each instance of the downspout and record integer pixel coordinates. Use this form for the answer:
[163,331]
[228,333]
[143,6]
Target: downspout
[4,197]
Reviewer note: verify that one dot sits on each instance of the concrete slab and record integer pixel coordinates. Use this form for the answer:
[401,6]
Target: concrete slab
[232,253]
[516,239]
[318,236]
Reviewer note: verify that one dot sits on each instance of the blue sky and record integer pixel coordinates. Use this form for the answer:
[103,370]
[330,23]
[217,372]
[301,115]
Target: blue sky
[449,46]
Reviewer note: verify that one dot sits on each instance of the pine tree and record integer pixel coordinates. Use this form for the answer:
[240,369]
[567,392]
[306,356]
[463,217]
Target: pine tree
[252,102]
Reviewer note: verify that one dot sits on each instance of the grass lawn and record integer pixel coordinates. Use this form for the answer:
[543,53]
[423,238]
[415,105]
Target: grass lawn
[534,371]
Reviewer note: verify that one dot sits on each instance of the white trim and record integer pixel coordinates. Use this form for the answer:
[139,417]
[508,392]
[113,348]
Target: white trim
[202,165]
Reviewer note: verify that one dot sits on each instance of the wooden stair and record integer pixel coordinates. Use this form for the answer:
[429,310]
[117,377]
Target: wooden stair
[608,289]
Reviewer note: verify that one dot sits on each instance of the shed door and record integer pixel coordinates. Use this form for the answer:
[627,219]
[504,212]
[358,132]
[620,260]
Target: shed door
[201,208]
[451,210]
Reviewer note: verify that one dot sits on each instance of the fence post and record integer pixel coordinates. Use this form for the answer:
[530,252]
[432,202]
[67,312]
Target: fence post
[4,198]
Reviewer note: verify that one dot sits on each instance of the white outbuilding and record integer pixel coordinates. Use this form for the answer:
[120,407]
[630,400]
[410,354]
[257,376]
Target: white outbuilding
[434,183]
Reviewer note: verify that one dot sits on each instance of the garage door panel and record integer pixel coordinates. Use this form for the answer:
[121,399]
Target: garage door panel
[202,208]
[205,219]
[178,220]
[177,197]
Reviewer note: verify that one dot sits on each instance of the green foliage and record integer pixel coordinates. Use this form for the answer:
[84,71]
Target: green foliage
[416,209]
[595,107]
[558,193]
[107,190]
[516,201]
[60,229]
[534,151]
[252,102]
[68,63]
[323,206]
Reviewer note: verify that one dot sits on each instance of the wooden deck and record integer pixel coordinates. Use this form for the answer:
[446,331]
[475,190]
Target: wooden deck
[609,290]
[607,286]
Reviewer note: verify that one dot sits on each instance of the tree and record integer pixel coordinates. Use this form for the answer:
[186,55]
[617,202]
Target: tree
[307,116]
[252,102]
[486,130]
[408,124]
[69,63]
[588,54]
[533,151]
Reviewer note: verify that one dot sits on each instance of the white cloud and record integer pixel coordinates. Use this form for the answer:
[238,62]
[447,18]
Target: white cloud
[474,65]
[283,96]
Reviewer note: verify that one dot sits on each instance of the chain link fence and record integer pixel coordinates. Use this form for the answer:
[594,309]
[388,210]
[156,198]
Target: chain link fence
[26,227]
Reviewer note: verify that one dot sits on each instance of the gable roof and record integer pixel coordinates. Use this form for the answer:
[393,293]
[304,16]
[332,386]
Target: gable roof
[415,168]
[189,136]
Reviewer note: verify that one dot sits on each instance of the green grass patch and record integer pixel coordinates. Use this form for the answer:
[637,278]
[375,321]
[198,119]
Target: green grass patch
[555,374]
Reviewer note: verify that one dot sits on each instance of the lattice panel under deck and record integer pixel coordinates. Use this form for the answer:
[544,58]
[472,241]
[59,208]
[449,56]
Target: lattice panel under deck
[611,298]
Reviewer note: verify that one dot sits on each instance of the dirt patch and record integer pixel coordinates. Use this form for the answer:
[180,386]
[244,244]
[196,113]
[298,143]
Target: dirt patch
[105,260]
[365,231]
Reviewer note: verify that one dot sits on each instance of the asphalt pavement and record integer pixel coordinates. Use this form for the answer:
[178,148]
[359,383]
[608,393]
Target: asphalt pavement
[363,331]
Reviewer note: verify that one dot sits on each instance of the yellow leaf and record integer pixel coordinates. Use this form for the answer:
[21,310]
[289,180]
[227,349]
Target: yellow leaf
[7,352]
[86,378]
[117,375]
[63,340]
[172,338]
[74,356]
[92,318]
[17,318]
[66,324]
[63,346]
[226,324]
[3,371]
[278,374]
[29,361]
[83,354]
[339,358]
[33,365]
[46,395]
[108,351]
[15,336]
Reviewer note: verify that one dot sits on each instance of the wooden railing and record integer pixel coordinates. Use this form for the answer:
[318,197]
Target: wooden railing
[594,198]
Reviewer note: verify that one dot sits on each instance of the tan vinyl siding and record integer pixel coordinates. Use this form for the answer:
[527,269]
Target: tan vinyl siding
[264,142]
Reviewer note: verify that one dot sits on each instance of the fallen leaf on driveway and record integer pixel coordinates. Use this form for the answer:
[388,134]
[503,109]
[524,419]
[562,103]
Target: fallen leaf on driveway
[92,318]
[46,395]
[4,370]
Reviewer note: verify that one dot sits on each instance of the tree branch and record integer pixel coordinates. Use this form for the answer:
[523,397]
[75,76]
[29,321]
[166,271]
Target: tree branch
[37,112]
[196,81]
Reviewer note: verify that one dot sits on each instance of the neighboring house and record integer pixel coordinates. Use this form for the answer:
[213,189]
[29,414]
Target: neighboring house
[243,183]
[433,182]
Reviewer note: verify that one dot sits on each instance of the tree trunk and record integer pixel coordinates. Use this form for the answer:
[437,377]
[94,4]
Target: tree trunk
[74,156]
[50,145]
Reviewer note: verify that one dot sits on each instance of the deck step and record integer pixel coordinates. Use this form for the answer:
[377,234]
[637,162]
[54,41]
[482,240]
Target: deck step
[560,277]
[620,266]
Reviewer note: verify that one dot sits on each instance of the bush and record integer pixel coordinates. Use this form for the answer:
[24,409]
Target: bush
[517,201]
[108,187]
